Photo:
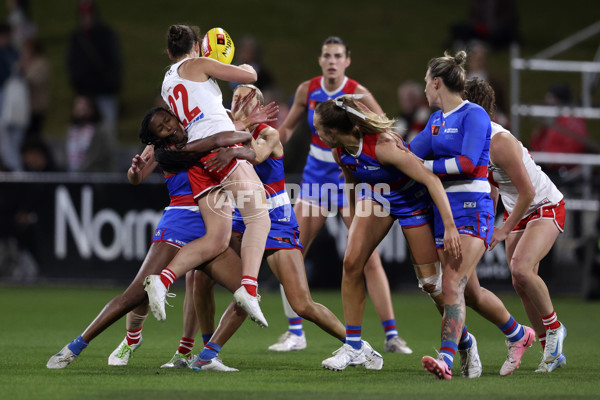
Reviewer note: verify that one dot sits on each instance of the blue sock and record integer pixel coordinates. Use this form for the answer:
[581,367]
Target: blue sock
[513,330]
[465,340]
[295,326]
[206,338]
[353,333]
[448,350]
[389,327]
[210,351]
[77,345]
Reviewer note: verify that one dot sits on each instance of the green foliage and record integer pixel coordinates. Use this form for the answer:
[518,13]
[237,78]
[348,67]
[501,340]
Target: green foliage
[37,322]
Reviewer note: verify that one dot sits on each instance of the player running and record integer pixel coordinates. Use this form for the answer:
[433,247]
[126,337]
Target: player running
[317,200]
[396,188]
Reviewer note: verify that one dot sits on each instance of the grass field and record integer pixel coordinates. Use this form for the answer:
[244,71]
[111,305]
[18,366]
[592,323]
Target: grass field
[36,322]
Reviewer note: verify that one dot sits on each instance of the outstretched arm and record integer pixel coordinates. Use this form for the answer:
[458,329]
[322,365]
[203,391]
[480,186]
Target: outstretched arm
[388,153]
[297,111]
[142,166]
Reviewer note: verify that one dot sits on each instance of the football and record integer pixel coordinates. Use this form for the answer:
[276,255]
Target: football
[217,44]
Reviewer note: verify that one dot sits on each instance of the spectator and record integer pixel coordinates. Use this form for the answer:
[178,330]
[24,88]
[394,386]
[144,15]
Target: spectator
[14,102]
[477,67]
[564,133]
[414,111]
[19,19]
[492,21]
[94,63]
[37,156]
[37,72]
[89,147]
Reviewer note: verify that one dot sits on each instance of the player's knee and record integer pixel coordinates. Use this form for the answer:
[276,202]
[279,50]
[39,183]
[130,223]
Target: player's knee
[429,277]
[353,265]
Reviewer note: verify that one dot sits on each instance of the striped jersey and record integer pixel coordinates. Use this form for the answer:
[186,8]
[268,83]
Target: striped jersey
[272,176]
[459,142]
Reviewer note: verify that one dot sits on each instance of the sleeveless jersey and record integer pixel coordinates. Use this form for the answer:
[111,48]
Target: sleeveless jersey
[198,105]
[272,176]
[320,166]
[401,195]
[545,191]
[459,142]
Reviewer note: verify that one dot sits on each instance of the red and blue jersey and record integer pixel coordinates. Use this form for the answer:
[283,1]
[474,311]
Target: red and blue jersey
[181,221]
[405,199]
[272,176]
[320,165]
[459,142]
[284,233]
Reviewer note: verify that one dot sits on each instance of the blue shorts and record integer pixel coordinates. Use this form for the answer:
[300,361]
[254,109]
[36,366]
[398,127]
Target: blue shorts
[410,207]
[480,224]
[281,236]
[322,185]
[179,226]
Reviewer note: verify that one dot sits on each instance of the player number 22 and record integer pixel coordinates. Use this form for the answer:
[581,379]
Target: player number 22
[189,115]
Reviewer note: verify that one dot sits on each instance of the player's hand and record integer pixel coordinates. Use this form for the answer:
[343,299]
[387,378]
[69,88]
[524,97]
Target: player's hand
[138,163]
[221,160]
[498,236]
[262,114]
[452,242]
[241,104]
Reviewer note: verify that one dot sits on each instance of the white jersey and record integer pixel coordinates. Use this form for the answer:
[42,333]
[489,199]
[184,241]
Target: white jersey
[545,191]
[198,105]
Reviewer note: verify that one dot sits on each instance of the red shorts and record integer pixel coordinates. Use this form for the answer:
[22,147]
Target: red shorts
[202,180]
[555,212]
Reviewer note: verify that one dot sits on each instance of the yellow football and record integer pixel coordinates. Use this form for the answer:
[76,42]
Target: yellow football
[217,44]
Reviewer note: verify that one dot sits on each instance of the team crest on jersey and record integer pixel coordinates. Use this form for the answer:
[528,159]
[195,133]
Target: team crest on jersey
[351,167]
[312,104]
[435,129]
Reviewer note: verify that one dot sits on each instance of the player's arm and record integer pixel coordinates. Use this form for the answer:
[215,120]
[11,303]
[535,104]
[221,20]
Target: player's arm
[142,166]
[221,139]
[476,124]
[226,154]
[507,154]
[350,187]
[296,113]
[201,68]
[265,145]
[389,153]
[369,101]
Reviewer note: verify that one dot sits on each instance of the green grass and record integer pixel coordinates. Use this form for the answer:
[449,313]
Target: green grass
[36,322]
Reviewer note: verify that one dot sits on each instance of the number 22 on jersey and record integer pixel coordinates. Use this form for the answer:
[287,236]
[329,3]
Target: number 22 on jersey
[180,91]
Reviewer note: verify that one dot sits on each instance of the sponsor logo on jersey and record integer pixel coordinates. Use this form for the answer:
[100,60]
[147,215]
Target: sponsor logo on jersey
[435,129]
[451,130]
[470,204]
[372,168]
[351,167]
[312,104]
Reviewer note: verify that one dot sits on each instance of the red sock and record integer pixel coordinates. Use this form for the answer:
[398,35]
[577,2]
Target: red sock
[542,339]
[134,336]
[551,321]
[167,277]
[251,284]
[185,345]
